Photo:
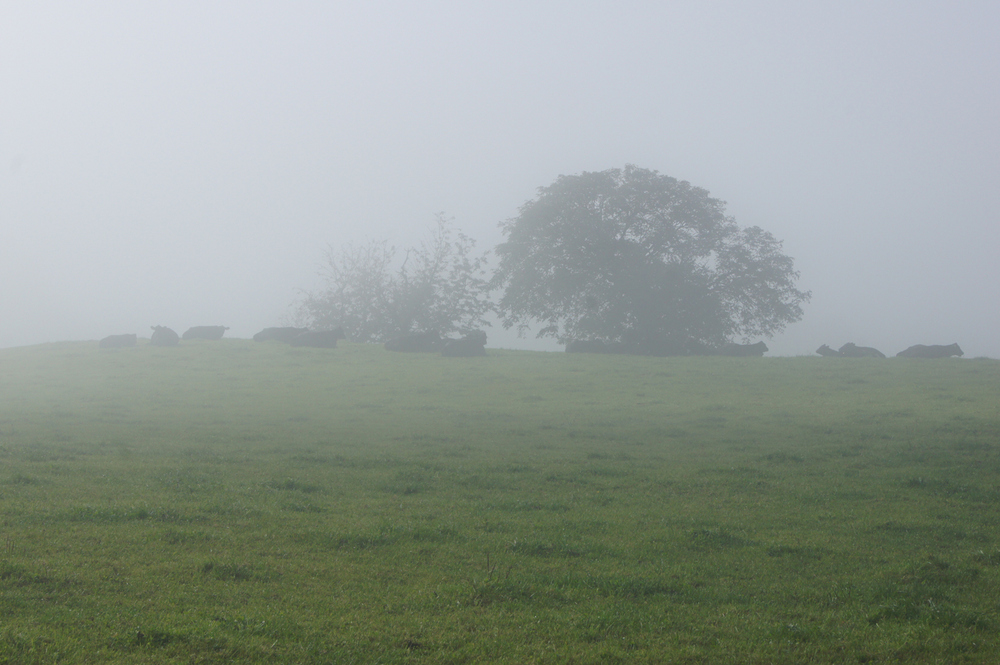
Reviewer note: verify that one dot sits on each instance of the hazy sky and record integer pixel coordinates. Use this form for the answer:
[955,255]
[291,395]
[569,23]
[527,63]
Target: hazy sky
[186,163]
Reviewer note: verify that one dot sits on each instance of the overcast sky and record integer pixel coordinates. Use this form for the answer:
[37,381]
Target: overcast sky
[187,163]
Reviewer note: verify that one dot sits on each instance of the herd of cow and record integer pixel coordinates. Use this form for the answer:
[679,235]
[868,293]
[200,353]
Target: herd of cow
[471,344]
[163,336]
[474,344]
[851,350]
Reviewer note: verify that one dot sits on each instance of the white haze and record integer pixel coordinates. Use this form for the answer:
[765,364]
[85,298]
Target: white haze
[186,163]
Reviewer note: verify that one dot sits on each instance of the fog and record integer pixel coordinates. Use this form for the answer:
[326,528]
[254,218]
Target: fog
[187,163]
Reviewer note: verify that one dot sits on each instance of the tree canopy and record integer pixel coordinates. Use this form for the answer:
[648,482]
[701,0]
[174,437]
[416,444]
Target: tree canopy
[439,285]
[636,257]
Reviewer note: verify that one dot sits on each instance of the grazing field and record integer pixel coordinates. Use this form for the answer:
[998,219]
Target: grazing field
[234,501]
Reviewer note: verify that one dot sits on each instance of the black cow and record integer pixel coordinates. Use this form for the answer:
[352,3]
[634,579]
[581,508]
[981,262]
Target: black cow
[319,339]
[852,350]
[420,342]
[205,332]
[932,351]
[471,345]
[743,350]
[286,334]
[828,352]
[117,341]
[163,336]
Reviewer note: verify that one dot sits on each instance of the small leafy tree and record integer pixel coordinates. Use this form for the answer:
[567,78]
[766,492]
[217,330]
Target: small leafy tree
[636,257]
[357,294]
[439,285]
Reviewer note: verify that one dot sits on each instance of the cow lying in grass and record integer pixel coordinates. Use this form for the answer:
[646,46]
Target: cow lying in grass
[163,336]
[318,339]
[117,341]
[852,350]
[932,351]
[205,332]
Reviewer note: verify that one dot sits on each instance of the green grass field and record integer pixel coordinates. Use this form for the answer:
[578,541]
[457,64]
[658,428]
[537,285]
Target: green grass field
[241,502]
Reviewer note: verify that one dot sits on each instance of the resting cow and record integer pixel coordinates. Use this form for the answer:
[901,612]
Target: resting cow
[117,341]
[205,332]
[828,352]
[852,350]
[932,351]
[163,336]
[743,350]
[421,342]
[471,345]
[286,334]
[318,339]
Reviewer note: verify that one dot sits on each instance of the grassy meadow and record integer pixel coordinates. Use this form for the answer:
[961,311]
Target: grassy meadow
[241,502]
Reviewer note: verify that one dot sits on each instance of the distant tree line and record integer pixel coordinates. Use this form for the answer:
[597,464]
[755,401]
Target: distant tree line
[623,256]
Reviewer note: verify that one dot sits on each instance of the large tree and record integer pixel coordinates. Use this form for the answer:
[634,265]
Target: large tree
[439,285]
[632,256]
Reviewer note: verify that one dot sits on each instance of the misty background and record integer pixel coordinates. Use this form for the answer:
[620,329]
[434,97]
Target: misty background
[188,163]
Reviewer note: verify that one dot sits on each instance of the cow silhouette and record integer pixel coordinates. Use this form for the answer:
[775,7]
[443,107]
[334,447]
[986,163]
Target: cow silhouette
[117,341]
[318,339]
[205,332]
[852,350]
[163,336]
[932,351]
